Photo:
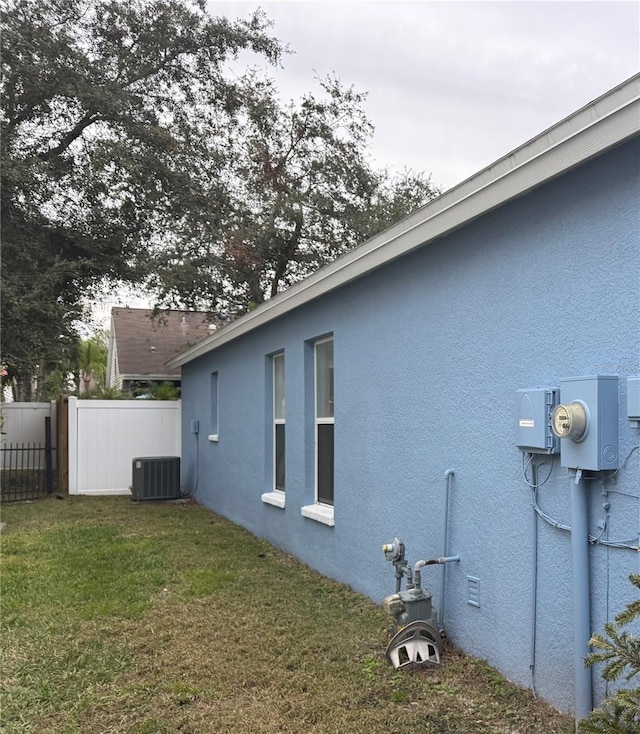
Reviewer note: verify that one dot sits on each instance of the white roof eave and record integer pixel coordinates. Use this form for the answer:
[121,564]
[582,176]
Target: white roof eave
[604,123]
[154,377]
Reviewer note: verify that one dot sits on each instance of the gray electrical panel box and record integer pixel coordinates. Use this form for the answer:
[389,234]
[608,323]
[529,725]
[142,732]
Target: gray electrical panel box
[597,399]
[633,400]
[533,428]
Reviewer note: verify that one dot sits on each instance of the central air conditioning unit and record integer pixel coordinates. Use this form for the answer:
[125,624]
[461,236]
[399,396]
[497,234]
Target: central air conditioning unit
[156,478]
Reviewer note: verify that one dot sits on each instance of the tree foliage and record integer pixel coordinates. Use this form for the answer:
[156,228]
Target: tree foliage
[619,650]
[104,107]
[131,154]
[299,190]
[92,362]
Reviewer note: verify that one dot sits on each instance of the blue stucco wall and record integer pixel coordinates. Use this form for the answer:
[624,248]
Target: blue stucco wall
[429,352]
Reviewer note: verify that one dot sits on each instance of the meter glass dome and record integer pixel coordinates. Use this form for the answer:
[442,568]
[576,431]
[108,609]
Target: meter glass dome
[570,421]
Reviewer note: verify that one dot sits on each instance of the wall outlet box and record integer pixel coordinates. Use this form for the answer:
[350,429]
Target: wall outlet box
[598,450]
[533,425]
[633,400]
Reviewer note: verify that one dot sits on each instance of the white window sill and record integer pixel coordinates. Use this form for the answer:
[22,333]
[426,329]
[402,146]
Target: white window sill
[275,498]
[213,437]
[319,513]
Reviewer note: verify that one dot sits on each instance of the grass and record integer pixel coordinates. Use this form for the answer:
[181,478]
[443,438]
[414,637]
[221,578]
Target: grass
[158,618]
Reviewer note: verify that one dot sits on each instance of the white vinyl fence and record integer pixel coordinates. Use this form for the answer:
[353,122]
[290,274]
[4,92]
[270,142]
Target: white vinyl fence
[106,435]
[24,422]
[22,440]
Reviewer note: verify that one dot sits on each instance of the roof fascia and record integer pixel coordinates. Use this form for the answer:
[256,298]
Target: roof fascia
[604,123]
[142,378]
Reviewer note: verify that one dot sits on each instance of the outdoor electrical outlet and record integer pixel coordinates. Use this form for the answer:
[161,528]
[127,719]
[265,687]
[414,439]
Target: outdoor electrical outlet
[195,426]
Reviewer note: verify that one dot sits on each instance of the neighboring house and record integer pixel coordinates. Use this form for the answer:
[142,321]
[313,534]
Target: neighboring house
[141,342]
[402,360]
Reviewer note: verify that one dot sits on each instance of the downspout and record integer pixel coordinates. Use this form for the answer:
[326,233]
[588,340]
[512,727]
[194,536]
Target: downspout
[581,595]
[447,480]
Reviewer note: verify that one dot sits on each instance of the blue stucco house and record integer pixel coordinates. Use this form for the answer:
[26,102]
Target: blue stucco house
[383,396]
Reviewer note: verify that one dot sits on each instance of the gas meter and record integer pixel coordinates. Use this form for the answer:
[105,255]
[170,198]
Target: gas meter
[417,641]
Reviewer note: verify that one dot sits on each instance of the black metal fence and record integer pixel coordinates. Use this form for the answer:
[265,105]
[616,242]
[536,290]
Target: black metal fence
[27,469]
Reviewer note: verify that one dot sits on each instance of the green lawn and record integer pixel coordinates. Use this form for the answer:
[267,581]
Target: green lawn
[124,617]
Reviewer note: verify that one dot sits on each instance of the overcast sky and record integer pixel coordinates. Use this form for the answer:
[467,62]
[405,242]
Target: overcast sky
[453,86]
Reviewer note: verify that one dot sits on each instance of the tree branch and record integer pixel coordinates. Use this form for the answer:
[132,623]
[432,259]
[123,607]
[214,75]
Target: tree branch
[73,134]
[287,254]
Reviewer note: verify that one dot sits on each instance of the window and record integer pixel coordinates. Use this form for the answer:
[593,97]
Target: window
[319,431]
[324,421]
[278,423]
[275,430]
[213,422]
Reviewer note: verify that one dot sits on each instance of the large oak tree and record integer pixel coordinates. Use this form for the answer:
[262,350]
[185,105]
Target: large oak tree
[105,108]
[131,154]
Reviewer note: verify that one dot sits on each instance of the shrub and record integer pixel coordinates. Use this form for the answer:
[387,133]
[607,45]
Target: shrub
[620,651]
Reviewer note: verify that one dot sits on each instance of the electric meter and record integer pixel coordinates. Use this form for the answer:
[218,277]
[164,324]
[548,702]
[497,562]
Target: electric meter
[587,422]
[570,421]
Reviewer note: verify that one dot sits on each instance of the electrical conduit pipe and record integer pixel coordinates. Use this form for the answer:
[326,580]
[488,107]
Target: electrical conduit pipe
[447,480]
[534,574]
[581,595]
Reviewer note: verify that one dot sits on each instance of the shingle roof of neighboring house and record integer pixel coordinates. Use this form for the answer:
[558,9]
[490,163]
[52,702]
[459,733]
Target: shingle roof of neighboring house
[140,343]
[604,123]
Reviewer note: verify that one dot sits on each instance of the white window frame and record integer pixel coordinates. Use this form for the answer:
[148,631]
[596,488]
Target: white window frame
[214,381]
[276,496]
[320,511]
[278,421]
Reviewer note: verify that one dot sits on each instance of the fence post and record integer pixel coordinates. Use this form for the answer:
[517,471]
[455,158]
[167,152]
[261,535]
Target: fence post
[62,443]
[72,418]
[48,451]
